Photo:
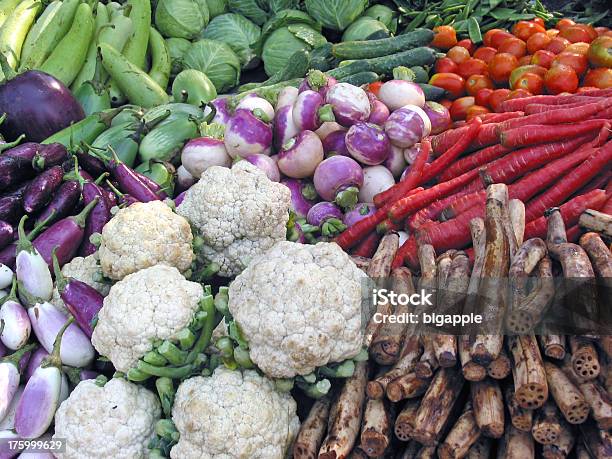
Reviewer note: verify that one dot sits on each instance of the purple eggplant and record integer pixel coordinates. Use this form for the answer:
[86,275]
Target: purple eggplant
[152,184]
[63,202]
[301,155]
[50,155]
[334,143]
[317,81]
[309,111]
[245,135]
[8,255]
[338,179]
[266,164]
[10,374]
[327,216]
[40,190]
[13,171]
[129,182]
[26,151]
[11,206]
[407,126]
[91,164]
[17,326]
[7,234]
[32,271]
[368,143]
[6,276]
[378,112]
[180,198]
[350,103]
[35,360]
[358,213]
[303,196]
[83,301]
[98,217]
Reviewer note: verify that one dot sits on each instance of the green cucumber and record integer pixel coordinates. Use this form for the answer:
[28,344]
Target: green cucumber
[177,111]
[296,67]
[432,92]
[421,75]
[358,79]
[349,69]
[383,47]
[85,130]
[161,64]
[38,28]
[15,29]
[165,141]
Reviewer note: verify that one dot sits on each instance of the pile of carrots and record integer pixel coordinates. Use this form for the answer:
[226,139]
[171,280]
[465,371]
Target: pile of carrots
[552,151]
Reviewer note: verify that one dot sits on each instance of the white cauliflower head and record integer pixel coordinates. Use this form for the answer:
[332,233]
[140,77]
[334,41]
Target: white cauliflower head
[233,415]
[154,303]
[299,307]
[143,235]
[239,212]
[116,420]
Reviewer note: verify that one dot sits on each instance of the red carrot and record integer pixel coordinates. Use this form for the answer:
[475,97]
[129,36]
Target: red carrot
[488,118]
[513,105]
[597,93]
[573,233]
[532,109]
[487,135]
[432,211]
[607,207]
[474,160]
[570,211]
[368,246]
[598,183]
[412,179]
[406,254]
[570,183]
[537,134]
[388,225]
[604,134]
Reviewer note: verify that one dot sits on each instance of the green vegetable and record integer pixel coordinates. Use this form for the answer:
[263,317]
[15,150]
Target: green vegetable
[216,7]
[130,113]
[237,32]
[358,79]
[284,42]
[259,11]
[432,92]
[383,14]
[216,60]
[403,73]
[421,75]
[15,28]
[474,30]
[93,95]
[296,67]
[321,58]
[85,130]
[122,139]
[335,14]
[160,59]
[365,28]
[161,173]
[6,8]
[40,26]
[179,18]
[193,87]
[136,48]
[177,47]
[176,110]
[166,140]
[382,47]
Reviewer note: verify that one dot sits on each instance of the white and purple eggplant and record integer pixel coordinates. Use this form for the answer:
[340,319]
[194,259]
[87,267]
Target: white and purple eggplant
[338,179]
[303,195]
[284,126]
[31,269]
[396,163]
[259,106]
[358,213]
[326,216]
[310,111]
[266,164]
[350,103]
[36,359]
[398,93]
[246,134]
[335,144]
[438,115]
[375,180]
[317,81]
[368,143]
[6,276]
[407,126]
[17,326]
[8,421]
[301,155]
[10,375]
[203,152]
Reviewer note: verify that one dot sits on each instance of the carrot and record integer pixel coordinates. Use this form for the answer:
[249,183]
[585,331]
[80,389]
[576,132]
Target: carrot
[532,109]
[607,207]
[462,204]
[406,254]
[513,105]
[570,183]
[474,160]
[573,233]
[499,117]
[412,179]
[432,211]
[597,93]
[570,211]
[604,114]
[487,135]
[598,183]
[388,225]
[368,246]
[537,134]
[604,134]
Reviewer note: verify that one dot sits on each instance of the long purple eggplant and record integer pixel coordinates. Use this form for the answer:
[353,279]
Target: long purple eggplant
[53,154]
[36,359]
[129,182]
[83,301]
[25,151]
[152,185]
[97,218]
[8,254]
[11,206]
[62,203]
[13,171]
[7,234]
[17,326]
[10,371]
[91,164]
[65,236]
[32,272]
[40,190]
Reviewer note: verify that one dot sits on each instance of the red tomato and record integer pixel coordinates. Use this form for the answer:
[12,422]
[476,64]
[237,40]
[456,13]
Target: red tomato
[458,54]
[446,102]
[475,83]
[538,21]
[543,58]
[458,110]
[485,53]
[374,88]
[530,82]
[514,46]
[473,66]
[497,97]
[600,52]
[538,41]
[557,45]
[576,61]
[467,44]
[501,66]
[482,97]
[578,48]
[525,29]
[525,60]
[488,36]
[600,78]
[476,110]
[564,23]
[445,65]
[520,71]
[601,30]
[578,33]
[445,37]
[451,82]
[518,94]
[498,38]
[561,78]
[552,33]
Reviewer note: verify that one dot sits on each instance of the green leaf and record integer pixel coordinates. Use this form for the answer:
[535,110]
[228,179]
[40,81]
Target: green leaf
[237,31]
[502,13]
[474,30]
[249,9]
[307,34]
[335,14]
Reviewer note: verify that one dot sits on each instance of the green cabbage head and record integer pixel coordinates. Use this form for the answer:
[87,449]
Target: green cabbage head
[335,14]
[285,41]
[215,59]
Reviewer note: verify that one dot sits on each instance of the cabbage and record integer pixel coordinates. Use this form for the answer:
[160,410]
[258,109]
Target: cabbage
[179,18]
[283,42]
[365,28]
[259,11]
[177,47]
[383,14]
[237,31]
[335,14]
[215,59]
[216,7]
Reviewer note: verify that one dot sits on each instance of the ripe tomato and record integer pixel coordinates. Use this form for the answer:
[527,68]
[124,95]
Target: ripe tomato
[445,65]
[552,33]
[561,78]
[485,53]
[473,67]
[525,60]
[374,87]
[482,97]
[446,103]
[563,23]
[445,37]
[518,94]
[525,29]
[458,54]
[498,38]
[578,48]
[451,82]
[577,33]
[514,46]
[576,61]
[538,41]
[538,21]
[458,110]
[543,58]
[530,82]
[520,71]
[557,45]
[600,52]
[497,97]
[601,30]
[467,44]
[488,36]
[476,110]
[501,66]
[475,83]
[600,78]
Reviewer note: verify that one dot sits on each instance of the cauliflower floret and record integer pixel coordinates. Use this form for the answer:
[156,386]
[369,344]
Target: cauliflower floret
[84,270]
[239,212]
[299,307]
[143,235]
[116,420]
[154,303]
[233,415]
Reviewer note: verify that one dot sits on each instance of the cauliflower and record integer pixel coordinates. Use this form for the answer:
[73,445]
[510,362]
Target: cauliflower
[152,304]
[116,420]
[233,415]
[84,270]
[299,307]
[239,212]
[143,235]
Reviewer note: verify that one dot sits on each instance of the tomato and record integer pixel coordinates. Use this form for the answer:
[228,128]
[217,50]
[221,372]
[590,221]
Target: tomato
[576,61]
[467,44]
[530,82]
[458,110]
[374,88]
[488,36]
[475,83]
[543,58]
[563,23]
[514,46]
[600,52]
[458,54]
[446,103]
[577,33]
[525,29]
[452,83]
[499,38]
[485,53]
[520,71]
[538,41]
[601,30]
[445,37]
[525,60]
[473,67]
[497,97]
[538,21]
[552,33]
[578,48]
[518,94]
[445,65]
[476,110]
[561,78]
[600,78]
[585,89]
[501,66]
[482,97]
[557,45]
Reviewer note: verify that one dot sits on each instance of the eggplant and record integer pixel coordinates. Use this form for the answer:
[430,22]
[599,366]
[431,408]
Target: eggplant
[10,370]
[6,276]
[49,155]
[11,206]
[98,217]
[7,234]
[25,151]
[130,183]
[91,164]
[14,170]
[17,326]
[32,272]
[40,190]
[35,360]
[62,203]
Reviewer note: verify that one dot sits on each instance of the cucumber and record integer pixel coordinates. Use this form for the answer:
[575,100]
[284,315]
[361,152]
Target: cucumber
[296,67]
[349,69]
[38,28]
[421,75]
[160,58]
[177,110]
[366,49]
[15,29]
[432,92]
[164,142]
[322,59]
[360,78]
